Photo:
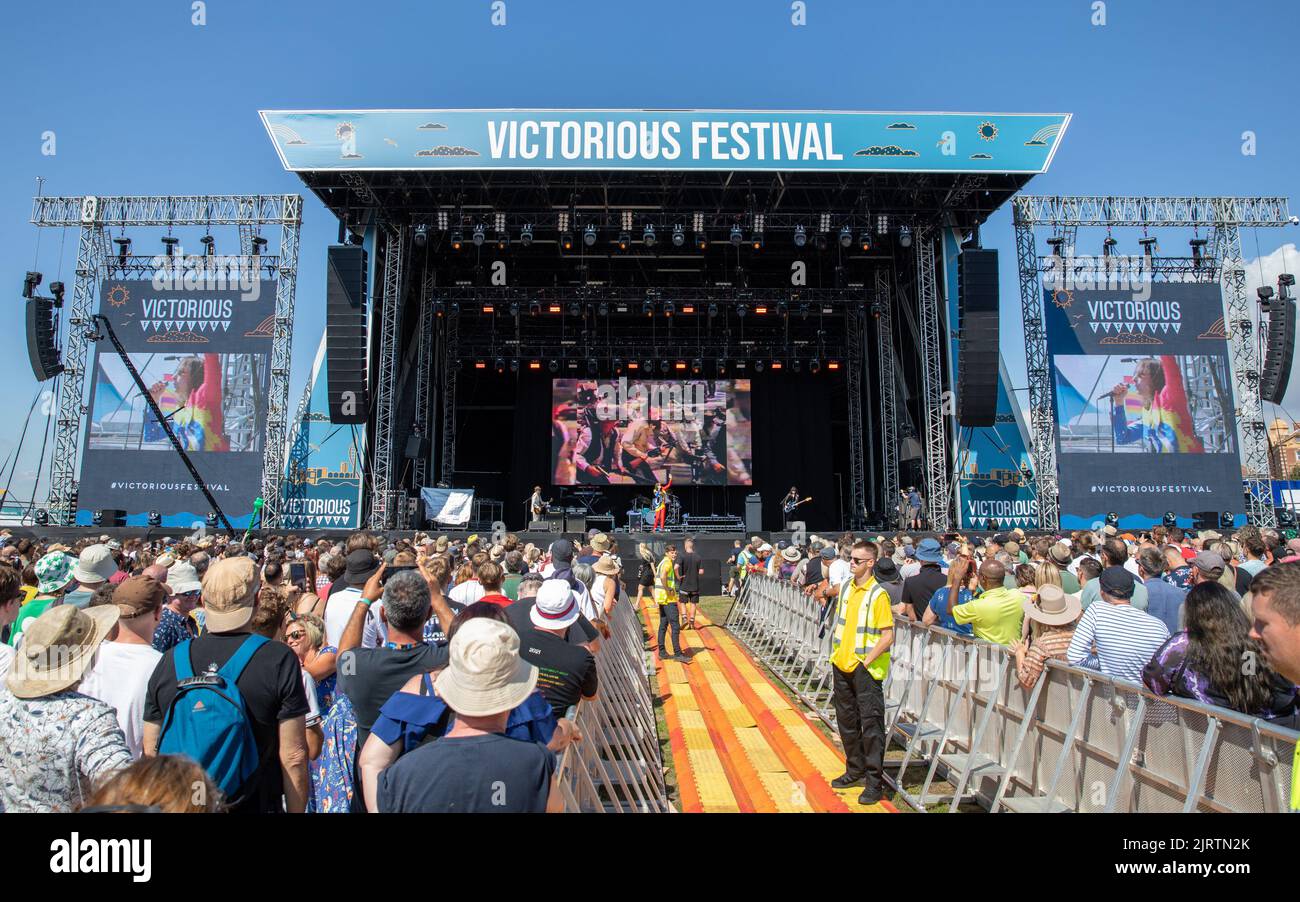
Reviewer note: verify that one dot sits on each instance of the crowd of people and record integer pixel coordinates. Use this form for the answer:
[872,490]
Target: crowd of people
[287,674]
[1206,617]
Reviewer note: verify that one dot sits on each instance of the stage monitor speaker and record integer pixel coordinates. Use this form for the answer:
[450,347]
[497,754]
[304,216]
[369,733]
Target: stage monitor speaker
[43,354]
[1202,520]
[575,523]
[1279,350]
[711,578]
[977,359]
[345,334]
[754,513]
[417,447]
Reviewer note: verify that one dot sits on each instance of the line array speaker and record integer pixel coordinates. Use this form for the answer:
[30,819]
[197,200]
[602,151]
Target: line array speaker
[40,339]
[1279,351]
[345,333]
[977,359]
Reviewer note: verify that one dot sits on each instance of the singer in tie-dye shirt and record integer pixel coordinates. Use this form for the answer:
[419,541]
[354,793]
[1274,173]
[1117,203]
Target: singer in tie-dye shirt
[1155,393]
[192,403]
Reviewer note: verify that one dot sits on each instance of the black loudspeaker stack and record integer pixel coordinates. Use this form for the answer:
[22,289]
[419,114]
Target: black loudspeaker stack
[1279,349]
[417,447]
[345,333]
[977,360]
[40,339]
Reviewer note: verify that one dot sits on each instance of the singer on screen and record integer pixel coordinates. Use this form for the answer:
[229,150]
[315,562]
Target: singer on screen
[1155,395]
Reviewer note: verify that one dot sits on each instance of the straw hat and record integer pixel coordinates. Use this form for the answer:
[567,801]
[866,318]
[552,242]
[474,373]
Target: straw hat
[484,673]
[606,566]
[1054,608]
[600,542]
[791,554]
[57,648]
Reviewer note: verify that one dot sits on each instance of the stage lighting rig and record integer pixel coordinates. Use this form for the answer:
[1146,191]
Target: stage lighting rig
[1150,247]
[1112,519]
[864,240]
[209,245]
[846,237]
[155,519]
[526,235]
[736,236]
[904,236]
[648,236]
[1170,520]
[31,282]
[123,248]
[457,239]
[589,235]
[800,236]
[420,238]
[624,239]
[679,235]
[479,235]
[170,242]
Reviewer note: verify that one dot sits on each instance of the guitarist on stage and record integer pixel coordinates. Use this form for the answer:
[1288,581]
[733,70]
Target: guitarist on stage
[661,503]
[791,501]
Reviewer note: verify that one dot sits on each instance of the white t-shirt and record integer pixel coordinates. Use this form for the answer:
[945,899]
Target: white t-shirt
[840,571]
[119,677]
[592,603]
[467,592]
[313,703]
[338,610]
[375,632]
[911,568]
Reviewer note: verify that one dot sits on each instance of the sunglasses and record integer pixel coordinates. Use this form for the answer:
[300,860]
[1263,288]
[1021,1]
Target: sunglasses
[297,634]
[860,560]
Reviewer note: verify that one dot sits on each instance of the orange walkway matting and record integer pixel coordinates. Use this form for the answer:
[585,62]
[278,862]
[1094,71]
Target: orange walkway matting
[738,743]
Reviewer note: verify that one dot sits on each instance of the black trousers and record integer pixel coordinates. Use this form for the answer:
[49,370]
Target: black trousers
[667,620]
[860,715]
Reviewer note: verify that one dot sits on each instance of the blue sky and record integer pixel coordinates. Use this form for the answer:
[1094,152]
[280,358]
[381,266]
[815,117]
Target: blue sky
[143,102]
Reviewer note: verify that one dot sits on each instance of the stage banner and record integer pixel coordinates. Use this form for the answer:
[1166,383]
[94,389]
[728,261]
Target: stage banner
[322,485]
[201,341]
[1143,403]
[448,507]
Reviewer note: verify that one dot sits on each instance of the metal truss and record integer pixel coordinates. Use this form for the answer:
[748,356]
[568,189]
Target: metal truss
[424,362]
[934,400]
[1224,217]
[447,396]
[1151,212]
[593,294]
[855,326]
[887,387]
[94,216]
[390,315]
[299,450]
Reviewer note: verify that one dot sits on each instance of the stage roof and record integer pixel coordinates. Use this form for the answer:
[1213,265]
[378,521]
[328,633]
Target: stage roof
[666,140]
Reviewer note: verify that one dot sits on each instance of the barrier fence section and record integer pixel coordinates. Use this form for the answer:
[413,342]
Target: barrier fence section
[1075,741]
[617,767]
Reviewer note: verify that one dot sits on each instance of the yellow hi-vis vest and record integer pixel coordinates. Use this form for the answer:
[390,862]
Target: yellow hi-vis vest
[666,582]
[865,635]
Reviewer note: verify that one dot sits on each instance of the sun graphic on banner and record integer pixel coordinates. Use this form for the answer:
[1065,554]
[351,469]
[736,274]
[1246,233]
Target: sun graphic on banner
[118,295]
[988,131]
[1062,297]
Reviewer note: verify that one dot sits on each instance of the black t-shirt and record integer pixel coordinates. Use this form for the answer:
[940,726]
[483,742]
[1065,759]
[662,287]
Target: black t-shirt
[271,686]
[480,774]
[689,562]
[567,672]
[1243,581]
[645,575]
[918,589]
[370,676]
[580,633]
[813,572]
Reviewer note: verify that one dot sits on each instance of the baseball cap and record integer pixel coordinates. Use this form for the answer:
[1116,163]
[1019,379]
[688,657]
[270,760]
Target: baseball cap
[95,565]
[562,551]
[1209,562]
[1117,582]
[828,552]
[138,595]
[556,606]
[230,594]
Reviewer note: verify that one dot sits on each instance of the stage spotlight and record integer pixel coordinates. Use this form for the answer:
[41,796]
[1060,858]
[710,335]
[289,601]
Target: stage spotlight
[534,364]
[575,309]
[566,240]
[480,364]
[800,236]
[634,365]
[155,518]
[820,242]
[701,241]
[648,236]
[757,241]
[42,517]
[783,308]
[500,365]
[669,308]
[170,242]
[796,365]
[697,366]
[1286,518]
[680,366]
[618,366]
[846,236]
[553,308]
[864,240]
[526,235]
[514,308]
[123,249]
[589,235]
[679,235]
[648,308]
[905,236]
[882,224]
[553,366]
[602,308]
[534,308]
[211,520]
[1108,246]
[722,366]
[832,365]
[420,237]
[758,366]
[457,240]
[736,236]
[1112,519]
[777,365]
[814,366]
[97,518]
[479,235]
[1150,247]
[1226,520]
[209,245]
[624,239]
[514,364]
[592,366]
[688,308]
[663,366]
[713,310]
[741,310]
[1170,520]
[760,309]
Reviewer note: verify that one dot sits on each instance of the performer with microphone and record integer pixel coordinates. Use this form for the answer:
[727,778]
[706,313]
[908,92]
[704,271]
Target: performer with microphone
[1165,423]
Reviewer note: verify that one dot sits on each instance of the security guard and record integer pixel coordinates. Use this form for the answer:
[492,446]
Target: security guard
[864,631]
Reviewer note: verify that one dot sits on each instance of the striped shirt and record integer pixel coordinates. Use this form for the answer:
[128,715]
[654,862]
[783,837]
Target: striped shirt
[1116,639]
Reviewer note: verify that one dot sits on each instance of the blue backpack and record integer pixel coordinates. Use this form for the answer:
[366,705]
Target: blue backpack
[208,720]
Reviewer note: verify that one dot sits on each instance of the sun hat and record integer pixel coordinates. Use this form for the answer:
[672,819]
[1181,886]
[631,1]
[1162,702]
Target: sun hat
[484,673]
[138,595]
[53,572]
[57,648]
[1060,554]
[606,566]
[183,578]
[361,565]
[440,544]
[929,552]
[600,542]
[1054,608]
[556,607]
[886,571]
[791,554]
[166,559]
[230,594]
[95,565]
[496,552]
[765,548]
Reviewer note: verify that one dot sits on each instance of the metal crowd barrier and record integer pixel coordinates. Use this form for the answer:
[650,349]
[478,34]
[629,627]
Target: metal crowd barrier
[1076,741]
[617,767]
